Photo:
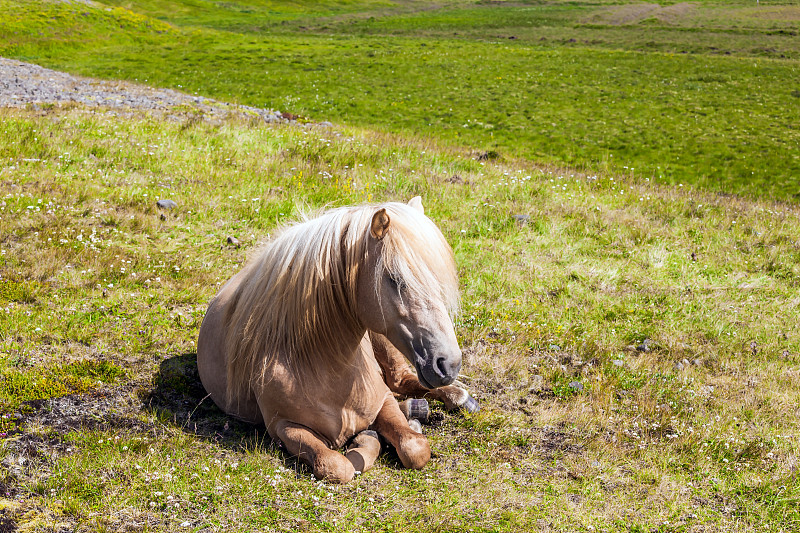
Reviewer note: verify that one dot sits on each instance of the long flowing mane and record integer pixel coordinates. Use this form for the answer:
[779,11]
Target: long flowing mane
[298,295]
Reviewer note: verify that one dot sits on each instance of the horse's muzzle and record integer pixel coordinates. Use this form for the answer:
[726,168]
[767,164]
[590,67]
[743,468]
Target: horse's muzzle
[437,370]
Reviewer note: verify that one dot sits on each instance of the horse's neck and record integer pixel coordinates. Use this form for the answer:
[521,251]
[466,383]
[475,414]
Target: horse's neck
[349,364]
[348,350]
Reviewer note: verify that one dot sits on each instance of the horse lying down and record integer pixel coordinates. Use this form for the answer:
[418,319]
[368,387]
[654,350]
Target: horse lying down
[309,338]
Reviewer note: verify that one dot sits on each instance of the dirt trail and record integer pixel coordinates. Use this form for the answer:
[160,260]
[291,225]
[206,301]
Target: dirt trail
[23,84]
[634,13]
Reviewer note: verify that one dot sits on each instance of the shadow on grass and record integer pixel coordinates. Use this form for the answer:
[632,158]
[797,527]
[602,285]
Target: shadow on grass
[178,397]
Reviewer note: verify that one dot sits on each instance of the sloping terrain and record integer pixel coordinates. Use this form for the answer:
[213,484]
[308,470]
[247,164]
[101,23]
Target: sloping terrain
[691,93]
[633,346]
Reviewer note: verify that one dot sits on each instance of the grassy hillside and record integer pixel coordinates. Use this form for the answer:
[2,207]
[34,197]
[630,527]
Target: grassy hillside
[634,347]
[632,342]
[702,94]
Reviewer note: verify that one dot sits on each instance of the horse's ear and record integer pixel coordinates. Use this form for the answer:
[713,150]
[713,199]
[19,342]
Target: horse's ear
[416,203]
[380,224]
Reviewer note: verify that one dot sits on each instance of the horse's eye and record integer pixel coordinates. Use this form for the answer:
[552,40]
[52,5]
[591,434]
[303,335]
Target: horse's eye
[397,281]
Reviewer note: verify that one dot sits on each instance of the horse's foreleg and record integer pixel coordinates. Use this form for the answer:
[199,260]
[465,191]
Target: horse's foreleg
[327,464]
[412,447]
[363,450]
[454,397]
[400,378]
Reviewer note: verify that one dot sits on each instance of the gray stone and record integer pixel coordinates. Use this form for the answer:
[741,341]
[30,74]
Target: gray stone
[521,220]
[644,347]
[576,386]
[166,204]
[234,241]
[536,384]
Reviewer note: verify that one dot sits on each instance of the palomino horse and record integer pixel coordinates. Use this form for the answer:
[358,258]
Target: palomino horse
[288,341]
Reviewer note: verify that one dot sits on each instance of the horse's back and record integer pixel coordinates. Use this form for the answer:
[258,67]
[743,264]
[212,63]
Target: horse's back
[212,361]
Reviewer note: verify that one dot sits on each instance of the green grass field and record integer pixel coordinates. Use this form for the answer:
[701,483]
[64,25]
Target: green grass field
[102,300]
[634,345]
[702,94]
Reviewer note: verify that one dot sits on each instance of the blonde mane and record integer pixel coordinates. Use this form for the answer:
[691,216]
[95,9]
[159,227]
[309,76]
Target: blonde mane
[298,295]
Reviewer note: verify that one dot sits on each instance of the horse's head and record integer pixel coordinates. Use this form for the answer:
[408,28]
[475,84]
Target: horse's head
[407,290]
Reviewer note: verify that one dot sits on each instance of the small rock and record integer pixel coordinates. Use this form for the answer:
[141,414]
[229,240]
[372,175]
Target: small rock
[537,382]
[685,362]
[679,366]
[555,347]
[697,362]
[233,241]
[163,216]
[522,220]
[576,386]
[617,362]
[644,347]
[325,124]
[166,204]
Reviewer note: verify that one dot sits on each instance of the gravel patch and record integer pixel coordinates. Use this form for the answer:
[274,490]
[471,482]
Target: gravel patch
[25,84]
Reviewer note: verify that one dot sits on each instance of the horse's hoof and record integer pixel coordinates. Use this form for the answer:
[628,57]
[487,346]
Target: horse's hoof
[415,425]
[369,433]
[470,405]
[416,409]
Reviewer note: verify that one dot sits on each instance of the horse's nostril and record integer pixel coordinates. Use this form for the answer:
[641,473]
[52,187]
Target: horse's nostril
[441,367]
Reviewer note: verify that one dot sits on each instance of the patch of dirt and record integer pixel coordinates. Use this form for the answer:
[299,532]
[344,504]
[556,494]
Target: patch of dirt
[455,179]
[783,13]
[32,450]
[671,14]
[98,410]
[554,441]
[635,13]
[7,525]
